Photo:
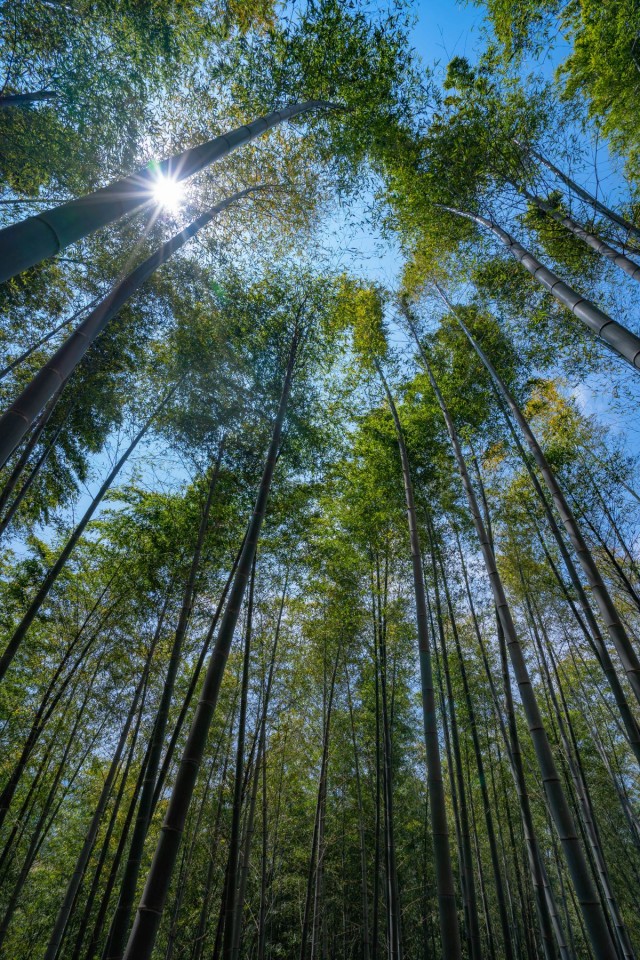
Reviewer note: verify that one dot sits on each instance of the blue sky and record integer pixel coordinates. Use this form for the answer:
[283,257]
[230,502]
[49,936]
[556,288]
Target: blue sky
[447,29]
[444,29]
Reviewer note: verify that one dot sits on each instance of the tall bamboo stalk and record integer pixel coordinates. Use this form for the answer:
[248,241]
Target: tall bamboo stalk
[597,244]
[361,828]
[64,913]
[475,943]
[231,891]
[449,930]
[143,935]
[625,343]
[120,923]
[19,416]
[55,571]
[583,194]
[616,630]
[589,902]
[572,753]
[36,238]
[493,849]
[315,852]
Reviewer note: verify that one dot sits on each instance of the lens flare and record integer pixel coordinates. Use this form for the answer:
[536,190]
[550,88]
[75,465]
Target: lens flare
[168,193]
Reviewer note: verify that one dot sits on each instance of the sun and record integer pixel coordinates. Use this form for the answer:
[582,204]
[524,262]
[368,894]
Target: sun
[168,193]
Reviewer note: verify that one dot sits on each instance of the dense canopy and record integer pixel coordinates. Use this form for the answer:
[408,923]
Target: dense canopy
[319,492]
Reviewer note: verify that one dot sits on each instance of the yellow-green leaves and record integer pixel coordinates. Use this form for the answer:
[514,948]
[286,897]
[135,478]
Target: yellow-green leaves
[360,309]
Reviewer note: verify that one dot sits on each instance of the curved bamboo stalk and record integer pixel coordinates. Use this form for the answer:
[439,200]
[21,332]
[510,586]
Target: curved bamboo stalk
[45,234]
[17,419]
[623,341]
[584,195]
[600,246]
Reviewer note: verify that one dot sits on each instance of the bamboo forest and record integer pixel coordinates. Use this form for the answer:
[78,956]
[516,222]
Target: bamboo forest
[320,480]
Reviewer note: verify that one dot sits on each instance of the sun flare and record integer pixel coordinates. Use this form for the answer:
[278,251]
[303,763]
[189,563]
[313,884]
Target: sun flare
[168,193]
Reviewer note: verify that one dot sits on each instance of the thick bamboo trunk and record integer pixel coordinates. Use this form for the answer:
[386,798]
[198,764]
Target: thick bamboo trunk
[143,935]
[589,903]
[449,929]
[24,99]
[27,243]
[596,244]
[20,415]
[625,343]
